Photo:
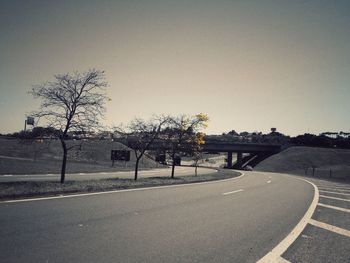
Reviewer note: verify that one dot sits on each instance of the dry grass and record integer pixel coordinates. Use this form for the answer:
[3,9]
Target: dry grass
[45,157]
[15,190]
[296,160]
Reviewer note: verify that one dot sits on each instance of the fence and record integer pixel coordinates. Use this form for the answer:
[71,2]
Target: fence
[327,173]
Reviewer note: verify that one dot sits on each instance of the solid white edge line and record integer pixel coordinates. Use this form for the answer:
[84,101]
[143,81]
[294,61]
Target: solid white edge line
[119,191]
[334,229]
[232,192]
[276,253]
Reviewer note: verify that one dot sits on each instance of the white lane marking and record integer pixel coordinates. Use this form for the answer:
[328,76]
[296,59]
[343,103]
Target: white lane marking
[331,184]
[335,198]
[232,192]
[336,188]
[329,192]
[334,207]
[332,189]
[7,175]
[335,229]
[341,185]
[269,181]
[276,253]
[282,260]
[120,191]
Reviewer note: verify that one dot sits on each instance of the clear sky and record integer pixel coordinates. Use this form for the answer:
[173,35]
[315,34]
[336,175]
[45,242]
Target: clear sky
[249,65]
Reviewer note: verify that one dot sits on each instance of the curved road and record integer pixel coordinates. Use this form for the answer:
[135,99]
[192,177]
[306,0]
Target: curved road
[237,220]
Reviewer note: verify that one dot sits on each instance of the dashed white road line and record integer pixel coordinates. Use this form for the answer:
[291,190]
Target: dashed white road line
[334,207]
[335,229]
[329,192]
[232,192]
[7,175]
[335,198]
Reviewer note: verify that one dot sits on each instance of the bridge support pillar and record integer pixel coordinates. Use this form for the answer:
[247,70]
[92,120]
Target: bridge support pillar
[229,160]
[239,160]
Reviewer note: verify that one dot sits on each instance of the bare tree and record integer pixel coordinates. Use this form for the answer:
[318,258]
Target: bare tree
[142,135]
[72,102]
[182,134]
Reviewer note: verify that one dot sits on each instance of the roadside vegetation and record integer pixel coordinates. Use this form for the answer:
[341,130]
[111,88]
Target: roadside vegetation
[309,161]
[42,156]
[72,106]
[16,190]
[71,102]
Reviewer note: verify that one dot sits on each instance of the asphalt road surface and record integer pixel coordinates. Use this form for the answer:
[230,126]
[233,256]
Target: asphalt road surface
[179,171]
[237,220]
[326,238]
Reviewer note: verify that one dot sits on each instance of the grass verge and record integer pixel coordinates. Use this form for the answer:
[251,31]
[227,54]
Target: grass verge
[17,190]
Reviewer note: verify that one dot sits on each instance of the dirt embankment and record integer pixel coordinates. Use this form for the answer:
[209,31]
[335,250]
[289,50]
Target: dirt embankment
[324,162]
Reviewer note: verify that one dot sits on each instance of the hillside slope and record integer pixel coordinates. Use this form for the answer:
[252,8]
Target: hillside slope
[17,156]
[300,160]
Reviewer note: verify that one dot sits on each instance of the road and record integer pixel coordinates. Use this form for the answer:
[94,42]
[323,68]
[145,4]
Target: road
[237,220]
[326,238]
[179,171]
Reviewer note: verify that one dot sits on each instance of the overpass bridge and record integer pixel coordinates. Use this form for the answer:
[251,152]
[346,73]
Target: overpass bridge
[254,153]
[247,153]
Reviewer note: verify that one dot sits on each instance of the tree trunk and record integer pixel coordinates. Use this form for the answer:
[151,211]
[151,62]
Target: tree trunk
[173,169]
[195,170]
[173,165]
[64,160]
[136,167]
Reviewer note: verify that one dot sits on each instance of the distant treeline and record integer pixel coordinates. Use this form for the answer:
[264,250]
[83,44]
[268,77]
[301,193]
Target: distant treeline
[326,139]
[321,141]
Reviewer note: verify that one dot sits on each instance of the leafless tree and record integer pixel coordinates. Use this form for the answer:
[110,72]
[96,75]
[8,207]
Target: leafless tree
[182,135]
[72,103]
[142,135]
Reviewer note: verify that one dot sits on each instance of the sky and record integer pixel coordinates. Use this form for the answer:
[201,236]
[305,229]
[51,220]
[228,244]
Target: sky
[249,65]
